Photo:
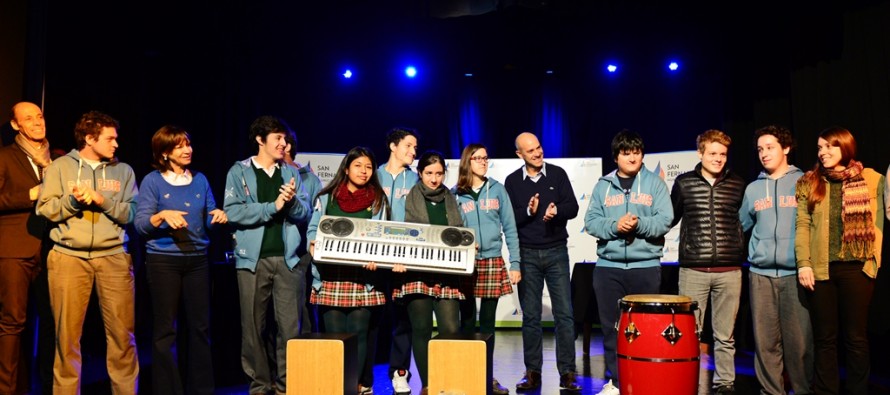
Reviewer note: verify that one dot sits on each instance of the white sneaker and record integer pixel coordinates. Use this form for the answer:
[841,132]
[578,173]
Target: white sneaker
[608,389]
[400,383]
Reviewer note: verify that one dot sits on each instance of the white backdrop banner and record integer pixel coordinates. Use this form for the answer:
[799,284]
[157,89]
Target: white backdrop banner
[583,174]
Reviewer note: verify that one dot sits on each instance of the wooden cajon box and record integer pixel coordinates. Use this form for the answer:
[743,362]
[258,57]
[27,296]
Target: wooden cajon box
[460,364]
[322,364]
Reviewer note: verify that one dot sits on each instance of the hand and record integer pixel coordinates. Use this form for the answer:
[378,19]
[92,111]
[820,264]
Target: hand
[285,193]
[34,192]
[550,213]
[627,223]
[175,219]
[515,277]
[312,248]
[82,194]
[806,278]
[399,268]
[372,266]
[219,217]
[533,205]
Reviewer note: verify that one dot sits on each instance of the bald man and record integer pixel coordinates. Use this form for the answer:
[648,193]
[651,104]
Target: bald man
[21,171]
[543,203]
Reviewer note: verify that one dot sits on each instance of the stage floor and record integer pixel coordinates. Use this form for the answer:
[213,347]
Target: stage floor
[508,369]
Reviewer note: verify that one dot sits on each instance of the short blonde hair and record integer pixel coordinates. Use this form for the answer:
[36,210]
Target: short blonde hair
[712,136]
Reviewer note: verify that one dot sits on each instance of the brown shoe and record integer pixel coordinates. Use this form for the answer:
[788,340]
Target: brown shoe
[498,389]
[567,382]
[425,391]
[530,381]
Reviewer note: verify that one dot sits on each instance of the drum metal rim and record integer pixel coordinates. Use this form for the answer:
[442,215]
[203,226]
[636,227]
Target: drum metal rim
[660,360]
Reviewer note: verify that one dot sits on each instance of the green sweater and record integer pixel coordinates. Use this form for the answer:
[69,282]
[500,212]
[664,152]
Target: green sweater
[813,228]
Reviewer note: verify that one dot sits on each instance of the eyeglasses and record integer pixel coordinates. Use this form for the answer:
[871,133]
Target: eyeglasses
[479,159]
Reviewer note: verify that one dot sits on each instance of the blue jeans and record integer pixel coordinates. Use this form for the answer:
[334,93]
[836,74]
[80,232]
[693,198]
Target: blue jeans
[538,266]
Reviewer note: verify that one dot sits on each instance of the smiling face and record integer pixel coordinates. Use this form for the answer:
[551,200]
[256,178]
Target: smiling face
[529,149]
[829,155]
[405,151]
[713,158]
[180,156]
[772,155]
[272,148]
[358,173]
[433,175]
[629,163]
[28,121]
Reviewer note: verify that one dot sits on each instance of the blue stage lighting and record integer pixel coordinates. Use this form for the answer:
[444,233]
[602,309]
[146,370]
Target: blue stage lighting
[347,74]
[612,68]
[673,66]
[410,71]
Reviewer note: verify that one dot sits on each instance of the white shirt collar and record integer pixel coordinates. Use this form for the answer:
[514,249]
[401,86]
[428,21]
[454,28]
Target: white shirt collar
[270,171]
[177,179]
[536,177]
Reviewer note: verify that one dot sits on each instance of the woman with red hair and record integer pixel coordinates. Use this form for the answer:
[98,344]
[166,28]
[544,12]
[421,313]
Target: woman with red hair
[840,226]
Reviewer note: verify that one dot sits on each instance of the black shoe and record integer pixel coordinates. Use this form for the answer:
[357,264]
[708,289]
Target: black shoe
[530,381]
[567,382]
[728,389]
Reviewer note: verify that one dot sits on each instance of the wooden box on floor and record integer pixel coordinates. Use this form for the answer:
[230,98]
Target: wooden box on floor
[460,364]
[322,363]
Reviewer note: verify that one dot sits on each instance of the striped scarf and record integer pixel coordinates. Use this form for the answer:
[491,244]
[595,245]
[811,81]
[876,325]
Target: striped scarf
[859,230]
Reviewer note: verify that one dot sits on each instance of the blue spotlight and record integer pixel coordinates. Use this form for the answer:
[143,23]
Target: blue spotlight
[410,71]
[673,66]
[347,74]
[612,68]
[468,74]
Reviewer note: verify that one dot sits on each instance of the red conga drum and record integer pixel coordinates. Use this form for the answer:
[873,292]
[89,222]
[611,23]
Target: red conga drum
[658,348]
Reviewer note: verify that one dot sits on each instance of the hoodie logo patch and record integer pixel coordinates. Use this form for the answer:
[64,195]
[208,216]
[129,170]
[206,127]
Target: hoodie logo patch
[785,201]
[484,204]
[644,199]
[400,192]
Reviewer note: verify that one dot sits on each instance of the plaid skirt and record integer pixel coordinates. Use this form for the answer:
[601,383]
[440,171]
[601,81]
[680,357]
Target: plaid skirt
[346,294]
[442,286]
[491,277]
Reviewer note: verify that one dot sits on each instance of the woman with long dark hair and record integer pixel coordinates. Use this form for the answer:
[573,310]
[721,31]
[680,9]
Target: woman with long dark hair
[350,298]
[174,209]
[840,226]
[430,202]
[486,208]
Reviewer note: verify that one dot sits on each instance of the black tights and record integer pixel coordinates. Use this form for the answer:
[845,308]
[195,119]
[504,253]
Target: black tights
[420,312]
[358,321]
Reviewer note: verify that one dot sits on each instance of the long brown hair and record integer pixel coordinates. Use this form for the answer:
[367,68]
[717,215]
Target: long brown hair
[836,136]
[465,171]
[340,179]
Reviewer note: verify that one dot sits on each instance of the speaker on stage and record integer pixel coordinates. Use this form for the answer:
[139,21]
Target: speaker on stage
[460,364]
[322,363]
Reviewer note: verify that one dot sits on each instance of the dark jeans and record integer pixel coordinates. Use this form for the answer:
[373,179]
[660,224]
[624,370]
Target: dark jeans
[549,265]
[185,280]
[840,305]
[420,311]
[612,284]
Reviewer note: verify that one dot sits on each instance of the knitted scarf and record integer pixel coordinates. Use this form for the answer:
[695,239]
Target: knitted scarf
[415,204]
[40,155]
[859,232]
[352,202]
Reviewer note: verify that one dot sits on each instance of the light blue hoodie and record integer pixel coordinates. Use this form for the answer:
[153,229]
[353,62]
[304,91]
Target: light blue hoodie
[648,199]
[770,208]
[396,189]
[249,216]
[488,216]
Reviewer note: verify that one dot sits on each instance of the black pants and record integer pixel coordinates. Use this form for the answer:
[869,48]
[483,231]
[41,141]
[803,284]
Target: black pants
[173,280]
[840,305]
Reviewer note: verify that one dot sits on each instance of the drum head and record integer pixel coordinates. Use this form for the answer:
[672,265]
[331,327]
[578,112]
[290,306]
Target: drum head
[654,303]
[657,298]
